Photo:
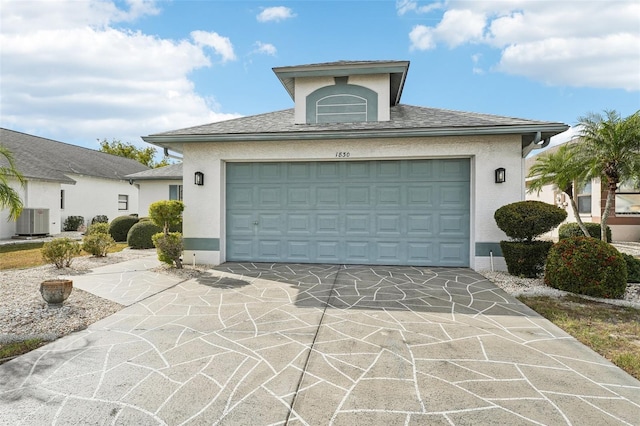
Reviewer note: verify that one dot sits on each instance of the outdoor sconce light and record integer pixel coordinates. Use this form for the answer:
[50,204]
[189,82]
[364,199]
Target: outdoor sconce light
[501,175]
[199,178]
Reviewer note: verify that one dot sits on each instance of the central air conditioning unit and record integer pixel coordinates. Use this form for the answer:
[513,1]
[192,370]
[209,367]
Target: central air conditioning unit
[33,222]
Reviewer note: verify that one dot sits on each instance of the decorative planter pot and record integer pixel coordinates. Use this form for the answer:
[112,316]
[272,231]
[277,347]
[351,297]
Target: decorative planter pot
[54,292]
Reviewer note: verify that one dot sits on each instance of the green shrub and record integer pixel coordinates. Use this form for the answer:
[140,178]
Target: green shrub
[97,243]
[72,223]
[60,251]
[586,266]
[166,213]
[140,235]
[100,219]
[169,248]
[525,220]
[98,228]
[633,268]
[525,258]
[120,226]
[567,230]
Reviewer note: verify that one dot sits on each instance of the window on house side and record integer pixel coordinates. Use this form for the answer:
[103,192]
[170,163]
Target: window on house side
[62,199]
[584,199]
[123,202]
[175,192]
[628,199]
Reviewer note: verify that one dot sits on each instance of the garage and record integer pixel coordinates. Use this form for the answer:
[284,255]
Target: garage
[391,212]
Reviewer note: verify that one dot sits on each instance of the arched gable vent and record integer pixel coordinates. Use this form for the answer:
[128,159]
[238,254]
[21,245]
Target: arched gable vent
[342,103]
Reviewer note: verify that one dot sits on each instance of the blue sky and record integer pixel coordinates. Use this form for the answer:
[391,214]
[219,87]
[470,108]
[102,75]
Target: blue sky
[78,71]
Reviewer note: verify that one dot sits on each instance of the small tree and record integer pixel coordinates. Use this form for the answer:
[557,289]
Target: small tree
[562,170]
[611,151]
[128,150]
[169,245]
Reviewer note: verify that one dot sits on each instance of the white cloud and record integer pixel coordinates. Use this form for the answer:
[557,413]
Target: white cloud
[406,6]
[559,43]
[265,48]
[275,14]
[221,45]
[67,74]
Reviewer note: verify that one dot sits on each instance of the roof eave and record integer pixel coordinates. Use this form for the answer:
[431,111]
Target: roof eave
[174,142]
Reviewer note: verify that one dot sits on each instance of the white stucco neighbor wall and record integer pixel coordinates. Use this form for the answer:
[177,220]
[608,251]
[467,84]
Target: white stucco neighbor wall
[91,196]
[39,195]
[151,191]
[204,215]
[379,83]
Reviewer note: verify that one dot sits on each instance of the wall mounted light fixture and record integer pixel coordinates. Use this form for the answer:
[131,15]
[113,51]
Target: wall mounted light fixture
[501,175]
[199,178]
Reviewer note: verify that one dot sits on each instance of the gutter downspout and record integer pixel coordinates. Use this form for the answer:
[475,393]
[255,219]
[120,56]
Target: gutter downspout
[535,144]
[166,154]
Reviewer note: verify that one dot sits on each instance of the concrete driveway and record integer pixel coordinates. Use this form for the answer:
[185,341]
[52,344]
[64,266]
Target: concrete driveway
[320,344]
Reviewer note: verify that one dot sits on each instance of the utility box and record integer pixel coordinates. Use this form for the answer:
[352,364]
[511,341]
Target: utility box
[33,222]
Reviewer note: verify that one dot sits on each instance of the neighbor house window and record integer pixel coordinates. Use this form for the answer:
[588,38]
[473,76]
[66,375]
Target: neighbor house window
[584,199]
[175,192]
[628,198]
[62,199]
[123,202]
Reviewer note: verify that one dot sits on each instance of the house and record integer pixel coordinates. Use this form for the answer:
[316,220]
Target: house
[624,216]
[350,175]
[66,180]
[162,183]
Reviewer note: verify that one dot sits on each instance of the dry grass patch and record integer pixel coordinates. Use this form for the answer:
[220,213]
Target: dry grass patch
[612,331]
[29,255]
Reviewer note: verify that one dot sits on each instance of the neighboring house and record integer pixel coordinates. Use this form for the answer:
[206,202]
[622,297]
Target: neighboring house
[162,183]
[351,176]
[66,180]
[624,218]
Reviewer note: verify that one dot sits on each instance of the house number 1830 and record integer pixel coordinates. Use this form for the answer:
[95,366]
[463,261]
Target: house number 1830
[343,154]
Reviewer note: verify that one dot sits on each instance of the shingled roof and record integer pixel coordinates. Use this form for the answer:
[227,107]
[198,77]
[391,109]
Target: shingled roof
[49,160]
[405,121]
[170,172]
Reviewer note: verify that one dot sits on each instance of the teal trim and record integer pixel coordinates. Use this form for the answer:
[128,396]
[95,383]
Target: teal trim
[205,244]
[485,249]
[335,104]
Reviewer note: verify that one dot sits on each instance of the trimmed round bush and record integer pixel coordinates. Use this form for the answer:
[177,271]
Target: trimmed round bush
[100,219]
[120,226]
[140,235]
[633,268]
[525,258]
[72,223]
[586,266]
[525,220]
[98,228]
[567,230]
[97,244]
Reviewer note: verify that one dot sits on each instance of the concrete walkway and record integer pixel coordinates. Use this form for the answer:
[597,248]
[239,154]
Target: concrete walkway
[316,344]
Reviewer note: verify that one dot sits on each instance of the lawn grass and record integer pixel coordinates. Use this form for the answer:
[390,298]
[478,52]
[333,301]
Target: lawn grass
[30,255]
[612,331]
[9,351]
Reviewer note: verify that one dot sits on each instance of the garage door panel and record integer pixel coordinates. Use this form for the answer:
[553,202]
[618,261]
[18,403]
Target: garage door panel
[364,212]
[327,224]
[240,223]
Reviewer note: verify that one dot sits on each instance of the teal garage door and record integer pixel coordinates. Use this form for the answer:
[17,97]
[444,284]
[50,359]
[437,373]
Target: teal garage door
[405,212]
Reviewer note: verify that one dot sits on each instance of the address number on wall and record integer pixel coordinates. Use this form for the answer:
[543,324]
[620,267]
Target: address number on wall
[343,154]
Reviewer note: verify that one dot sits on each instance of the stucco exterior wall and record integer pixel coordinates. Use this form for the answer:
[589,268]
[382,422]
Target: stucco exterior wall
[151,191]
[35,194]
[90,197]
[204,215]
[379,83]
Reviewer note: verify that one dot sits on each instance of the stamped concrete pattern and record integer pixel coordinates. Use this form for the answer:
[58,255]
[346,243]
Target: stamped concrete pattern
[320,344]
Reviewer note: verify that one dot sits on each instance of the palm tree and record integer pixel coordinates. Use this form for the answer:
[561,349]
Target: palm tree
[9,198]
[611,151]
[562,170]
